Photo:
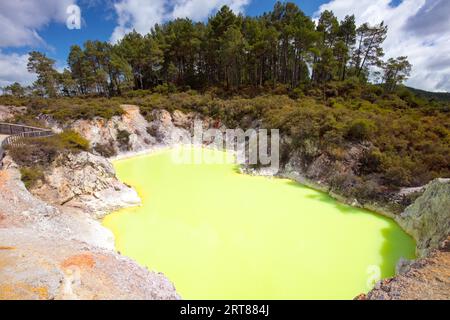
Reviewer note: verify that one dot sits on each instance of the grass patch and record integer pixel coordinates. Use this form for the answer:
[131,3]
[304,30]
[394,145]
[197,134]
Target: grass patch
[31,176]
[71,140]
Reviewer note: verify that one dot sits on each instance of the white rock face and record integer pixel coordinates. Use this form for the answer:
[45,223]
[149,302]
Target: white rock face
[164,130]
[168,130]
[105,132]
[88,182]
[16,202]
[19,208]
[51,267]
[428,218]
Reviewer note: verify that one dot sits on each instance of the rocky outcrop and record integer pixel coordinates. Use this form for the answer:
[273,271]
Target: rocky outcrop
[132,133]
[85,181]
[296,169]
[17,205]
[33,266]
[424,279]
[169,130]
[428,218]
[131,125]
[310,166]
[59,252]
[20,209]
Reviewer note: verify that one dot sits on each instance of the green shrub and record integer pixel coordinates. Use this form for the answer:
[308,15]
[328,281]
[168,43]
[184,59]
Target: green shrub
[73,141]
[65,109]
[397,176]
[30,176]
[123,137]
[297,93]
[360,130]
[165,88]
[348,86]
[162,89]
[371,161]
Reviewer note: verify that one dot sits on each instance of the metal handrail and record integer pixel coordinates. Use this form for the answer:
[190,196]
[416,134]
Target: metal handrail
[18,132]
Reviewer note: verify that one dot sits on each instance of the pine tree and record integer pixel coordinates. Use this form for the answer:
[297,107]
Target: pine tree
[47,76]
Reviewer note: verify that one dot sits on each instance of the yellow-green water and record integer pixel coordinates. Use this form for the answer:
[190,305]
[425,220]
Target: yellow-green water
[218,234]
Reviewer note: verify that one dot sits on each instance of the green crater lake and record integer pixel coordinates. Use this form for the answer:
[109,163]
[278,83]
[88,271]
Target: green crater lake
[218,234]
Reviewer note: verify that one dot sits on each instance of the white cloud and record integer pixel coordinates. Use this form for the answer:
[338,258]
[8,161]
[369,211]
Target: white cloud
[201,9]
[419,29]
[142,15]
[13,68]
[21,20]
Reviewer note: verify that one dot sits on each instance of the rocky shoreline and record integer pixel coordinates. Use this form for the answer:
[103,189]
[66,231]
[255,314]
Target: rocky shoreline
[81,189]
[424,279]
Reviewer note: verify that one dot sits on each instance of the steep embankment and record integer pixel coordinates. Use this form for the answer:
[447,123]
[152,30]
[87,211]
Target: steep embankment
[131,132]
[428,218]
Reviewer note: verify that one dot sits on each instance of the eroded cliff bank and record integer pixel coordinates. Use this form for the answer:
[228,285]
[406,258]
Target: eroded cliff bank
[428,218]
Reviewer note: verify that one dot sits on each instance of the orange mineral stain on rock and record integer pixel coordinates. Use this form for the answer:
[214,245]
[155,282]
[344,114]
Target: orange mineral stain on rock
[3,178]
[22,291]
[85,260]
[7,248]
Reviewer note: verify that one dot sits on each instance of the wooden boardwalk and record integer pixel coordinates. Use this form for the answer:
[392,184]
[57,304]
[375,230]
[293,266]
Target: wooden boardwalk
[13,135]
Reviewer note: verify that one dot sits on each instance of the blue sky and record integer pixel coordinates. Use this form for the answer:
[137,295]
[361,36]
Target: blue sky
[100,19]
[418,28]
[99,22]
